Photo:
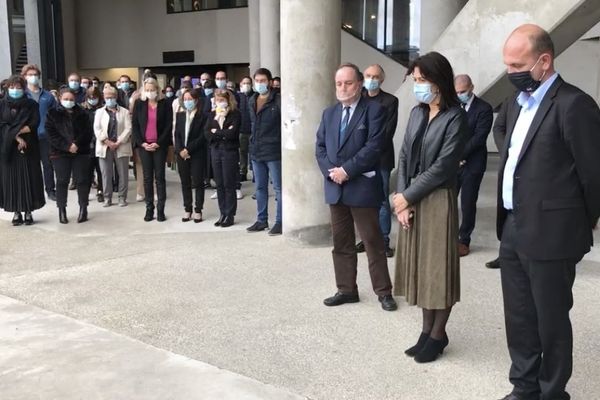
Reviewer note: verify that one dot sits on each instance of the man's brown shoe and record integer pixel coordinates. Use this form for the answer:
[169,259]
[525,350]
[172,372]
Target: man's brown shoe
[463,249]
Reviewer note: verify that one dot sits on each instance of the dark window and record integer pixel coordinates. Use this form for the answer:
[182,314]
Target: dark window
[181,6]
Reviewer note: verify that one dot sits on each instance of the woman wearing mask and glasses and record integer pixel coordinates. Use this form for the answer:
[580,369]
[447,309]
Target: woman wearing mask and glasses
[70,135]
[427,262]
[112,127]
[93,101]
[21,183]
[151,123]
[190,148]
[223,134]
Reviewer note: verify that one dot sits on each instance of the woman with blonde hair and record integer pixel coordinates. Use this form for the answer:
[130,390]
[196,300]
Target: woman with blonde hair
[223,134]
[152,135]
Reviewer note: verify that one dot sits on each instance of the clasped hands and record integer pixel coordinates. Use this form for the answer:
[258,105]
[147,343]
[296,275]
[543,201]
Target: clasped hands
[338,175]
[403,211]
[150,147]
[184,154]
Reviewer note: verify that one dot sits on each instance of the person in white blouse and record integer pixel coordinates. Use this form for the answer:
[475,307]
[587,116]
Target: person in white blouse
[112,127]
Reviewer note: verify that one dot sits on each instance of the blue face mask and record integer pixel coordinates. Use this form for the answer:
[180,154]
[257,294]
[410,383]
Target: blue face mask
[423,93]
[92,102]
[68,104]
[15,93]
[371,84]
[74,85]
[189,104]
[221,83]
[111,103]
[261,88]
[125,86]
[464,97]
[208,91]
[169,94]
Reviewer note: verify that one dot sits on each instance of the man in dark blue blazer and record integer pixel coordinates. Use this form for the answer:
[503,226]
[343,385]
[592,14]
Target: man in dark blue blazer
[474,158]
[348,150]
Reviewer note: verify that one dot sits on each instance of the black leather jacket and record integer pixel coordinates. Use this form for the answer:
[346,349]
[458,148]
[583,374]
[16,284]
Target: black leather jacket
[442,146]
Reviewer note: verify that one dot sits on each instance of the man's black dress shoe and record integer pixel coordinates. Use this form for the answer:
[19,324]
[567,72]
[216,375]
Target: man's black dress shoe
[227,222]
[515,397]
[220,220]
[360,247]
[388,303]
[149,214]
[258,227]
[340,298]
[389,252]
[494,264]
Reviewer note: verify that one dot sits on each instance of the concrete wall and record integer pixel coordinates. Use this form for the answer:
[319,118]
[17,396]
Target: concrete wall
[119,33]
[70,38]
[110,74]
[5,56]
[580,66]
[363,55]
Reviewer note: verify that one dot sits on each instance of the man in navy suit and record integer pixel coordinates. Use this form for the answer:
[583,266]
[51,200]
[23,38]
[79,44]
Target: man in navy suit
[349,145]
[474,157]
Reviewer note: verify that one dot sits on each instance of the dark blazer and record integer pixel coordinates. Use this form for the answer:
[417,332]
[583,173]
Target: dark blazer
[479,117]
[440,153]
[196,143]
[229,136]
[390,103]
[556,192]
[124,98]
[265,140]
[164,120]
[359,153]
[64,128]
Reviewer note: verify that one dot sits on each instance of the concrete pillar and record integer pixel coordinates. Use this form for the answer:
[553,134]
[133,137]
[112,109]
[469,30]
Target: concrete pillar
[436,15]
[5,55]
[307,89]
[32,32]
[254,33]
[269,36]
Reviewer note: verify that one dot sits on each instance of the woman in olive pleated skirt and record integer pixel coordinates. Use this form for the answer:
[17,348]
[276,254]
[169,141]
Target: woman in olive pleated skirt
[427,261]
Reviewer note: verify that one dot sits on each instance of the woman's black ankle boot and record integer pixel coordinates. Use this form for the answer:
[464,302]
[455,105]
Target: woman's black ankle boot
[413,351]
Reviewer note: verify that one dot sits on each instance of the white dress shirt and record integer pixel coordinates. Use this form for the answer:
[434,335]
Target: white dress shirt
[529,105]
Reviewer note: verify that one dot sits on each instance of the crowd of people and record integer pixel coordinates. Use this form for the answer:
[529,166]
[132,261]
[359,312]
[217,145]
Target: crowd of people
[81,136]
[548,188]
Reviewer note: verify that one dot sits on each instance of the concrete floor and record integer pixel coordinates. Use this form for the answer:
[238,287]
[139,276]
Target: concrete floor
[118,308]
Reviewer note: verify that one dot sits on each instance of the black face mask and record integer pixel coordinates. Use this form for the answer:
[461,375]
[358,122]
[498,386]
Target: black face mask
[524,82]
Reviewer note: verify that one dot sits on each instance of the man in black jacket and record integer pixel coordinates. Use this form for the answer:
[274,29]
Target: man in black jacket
[474,157]
[125,91]
[374,77]
[265,148]
[548,203]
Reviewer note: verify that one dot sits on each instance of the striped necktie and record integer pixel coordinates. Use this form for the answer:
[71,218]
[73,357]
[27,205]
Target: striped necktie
[344,124]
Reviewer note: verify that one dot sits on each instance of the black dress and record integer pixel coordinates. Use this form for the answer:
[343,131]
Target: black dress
[21,179]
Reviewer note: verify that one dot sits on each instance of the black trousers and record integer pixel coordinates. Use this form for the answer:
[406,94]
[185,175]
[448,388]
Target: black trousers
[244,145]
[79,167]
[537,299]
[47,165]
[226,173]
[153,169]
[468,186]
[191,173]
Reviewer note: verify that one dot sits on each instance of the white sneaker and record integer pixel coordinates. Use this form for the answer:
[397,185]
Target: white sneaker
[239,194]
[139,197]
[214,195]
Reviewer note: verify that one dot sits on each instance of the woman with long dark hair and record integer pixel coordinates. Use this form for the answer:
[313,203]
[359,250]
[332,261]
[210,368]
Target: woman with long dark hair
[70,134]
[427,262]
[21,182]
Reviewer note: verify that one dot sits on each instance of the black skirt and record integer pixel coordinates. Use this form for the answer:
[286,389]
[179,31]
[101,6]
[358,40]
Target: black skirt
[21,182]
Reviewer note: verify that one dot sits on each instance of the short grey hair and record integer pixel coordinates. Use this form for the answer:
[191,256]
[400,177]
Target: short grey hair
[110,90]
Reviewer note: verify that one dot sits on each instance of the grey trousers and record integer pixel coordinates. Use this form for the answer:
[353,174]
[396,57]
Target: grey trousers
[122,168]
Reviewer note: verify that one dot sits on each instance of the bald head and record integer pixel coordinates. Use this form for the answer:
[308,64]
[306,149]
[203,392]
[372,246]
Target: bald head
[375,71]
[463,80]
[529,48]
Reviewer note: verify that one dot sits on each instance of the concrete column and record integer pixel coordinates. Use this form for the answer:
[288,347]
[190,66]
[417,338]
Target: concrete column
[254,33]
[269,35]
[5,55]
[32,33]
[307,89]
[436,15]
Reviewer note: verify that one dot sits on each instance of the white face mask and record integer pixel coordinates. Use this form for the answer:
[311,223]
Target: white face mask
[151,94]
[245,88]
[222,105]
